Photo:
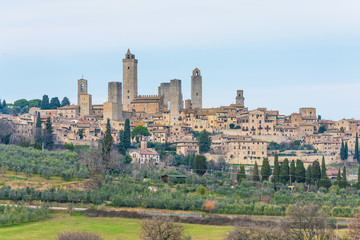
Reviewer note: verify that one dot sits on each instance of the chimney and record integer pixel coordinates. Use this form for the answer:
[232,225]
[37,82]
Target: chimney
[143,144]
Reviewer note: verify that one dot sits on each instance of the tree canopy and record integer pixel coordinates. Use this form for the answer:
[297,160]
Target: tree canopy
[138,132]
[204,141]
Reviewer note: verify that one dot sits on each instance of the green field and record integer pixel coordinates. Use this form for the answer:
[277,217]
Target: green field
[108,228]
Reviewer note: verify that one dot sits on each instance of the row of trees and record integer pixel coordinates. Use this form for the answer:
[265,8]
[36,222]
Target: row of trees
[45,163]
[44,137]
[344,151]
[22,106]
[285,174]
[10,215]
[54,103]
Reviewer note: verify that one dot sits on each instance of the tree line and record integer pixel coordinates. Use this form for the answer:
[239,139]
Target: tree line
[22,106]
[45,163]
[10,215]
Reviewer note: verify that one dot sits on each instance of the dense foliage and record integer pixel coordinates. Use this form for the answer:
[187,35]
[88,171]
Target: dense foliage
[45,163]
[10,215]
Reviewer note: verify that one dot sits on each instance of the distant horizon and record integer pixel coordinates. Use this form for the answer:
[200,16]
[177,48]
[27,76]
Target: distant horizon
[283,55]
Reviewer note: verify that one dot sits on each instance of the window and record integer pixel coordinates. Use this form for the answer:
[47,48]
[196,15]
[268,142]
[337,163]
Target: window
[128,67]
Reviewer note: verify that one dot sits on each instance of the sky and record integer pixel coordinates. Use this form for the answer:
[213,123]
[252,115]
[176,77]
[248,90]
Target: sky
[284,54]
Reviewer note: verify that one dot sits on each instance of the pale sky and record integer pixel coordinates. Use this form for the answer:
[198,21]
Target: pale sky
[284,54]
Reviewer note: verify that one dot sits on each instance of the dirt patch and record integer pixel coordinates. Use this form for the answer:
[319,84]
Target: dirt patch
[85,185]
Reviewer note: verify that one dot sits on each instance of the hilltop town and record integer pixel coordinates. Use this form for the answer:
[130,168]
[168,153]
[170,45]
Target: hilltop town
[239,135]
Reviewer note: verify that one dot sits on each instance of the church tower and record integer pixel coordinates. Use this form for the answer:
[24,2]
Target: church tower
[82,88]
[84,99]
[130,80]
[196,89]
[240,97]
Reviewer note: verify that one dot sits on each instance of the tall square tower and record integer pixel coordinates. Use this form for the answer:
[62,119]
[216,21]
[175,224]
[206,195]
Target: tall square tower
[196,89]
[130,80]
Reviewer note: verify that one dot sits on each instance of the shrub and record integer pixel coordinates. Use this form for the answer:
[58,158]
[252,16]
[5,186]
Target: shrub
[209,205]
[159,228]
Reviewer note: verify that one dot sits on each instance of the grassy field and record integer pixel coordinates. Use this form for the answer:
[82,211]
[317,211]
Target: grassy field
[108,228]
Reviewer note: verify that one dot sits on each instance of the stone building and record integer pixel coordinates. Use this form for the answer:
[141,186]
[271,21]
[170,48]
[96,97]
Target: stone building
[149,104]
[196,89]
[175,100]
[130,79]
[71,111]
[164,91]
[308,114]
[113,107]
[84,99]
[240,97]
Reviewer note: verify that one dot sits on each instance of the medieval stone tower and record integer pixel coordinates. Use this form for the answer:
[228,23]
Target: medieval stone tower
[196,89]
[240,97]
[164,90]
[113,107]
[82,88]
[130,80]
[84,99]
[175,100]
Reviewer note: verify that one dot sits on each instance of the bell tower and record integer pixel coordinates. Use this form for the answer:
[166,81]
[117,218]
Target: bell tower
[130,80]
[82,88]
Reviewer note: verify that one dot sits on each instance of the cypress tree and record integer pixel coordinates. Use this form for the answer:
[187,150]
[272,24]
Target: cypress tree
[204,142]
[107,145]
[38,134]
[324,181]
[38,121]
[49,139]
[356,156]
[342,149]
[45,104]
[358,181]
[276,172]
[300,171]
[284,171]
[65,102]
[54,103]
[308,176]
[122,148]
[292,171]
[200,164]
[316,172]
[323,168]
[346,151]
[127,134]
[338,178]
[241,174]
[265,170]
[256,177]
[4,104]
[344,182]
